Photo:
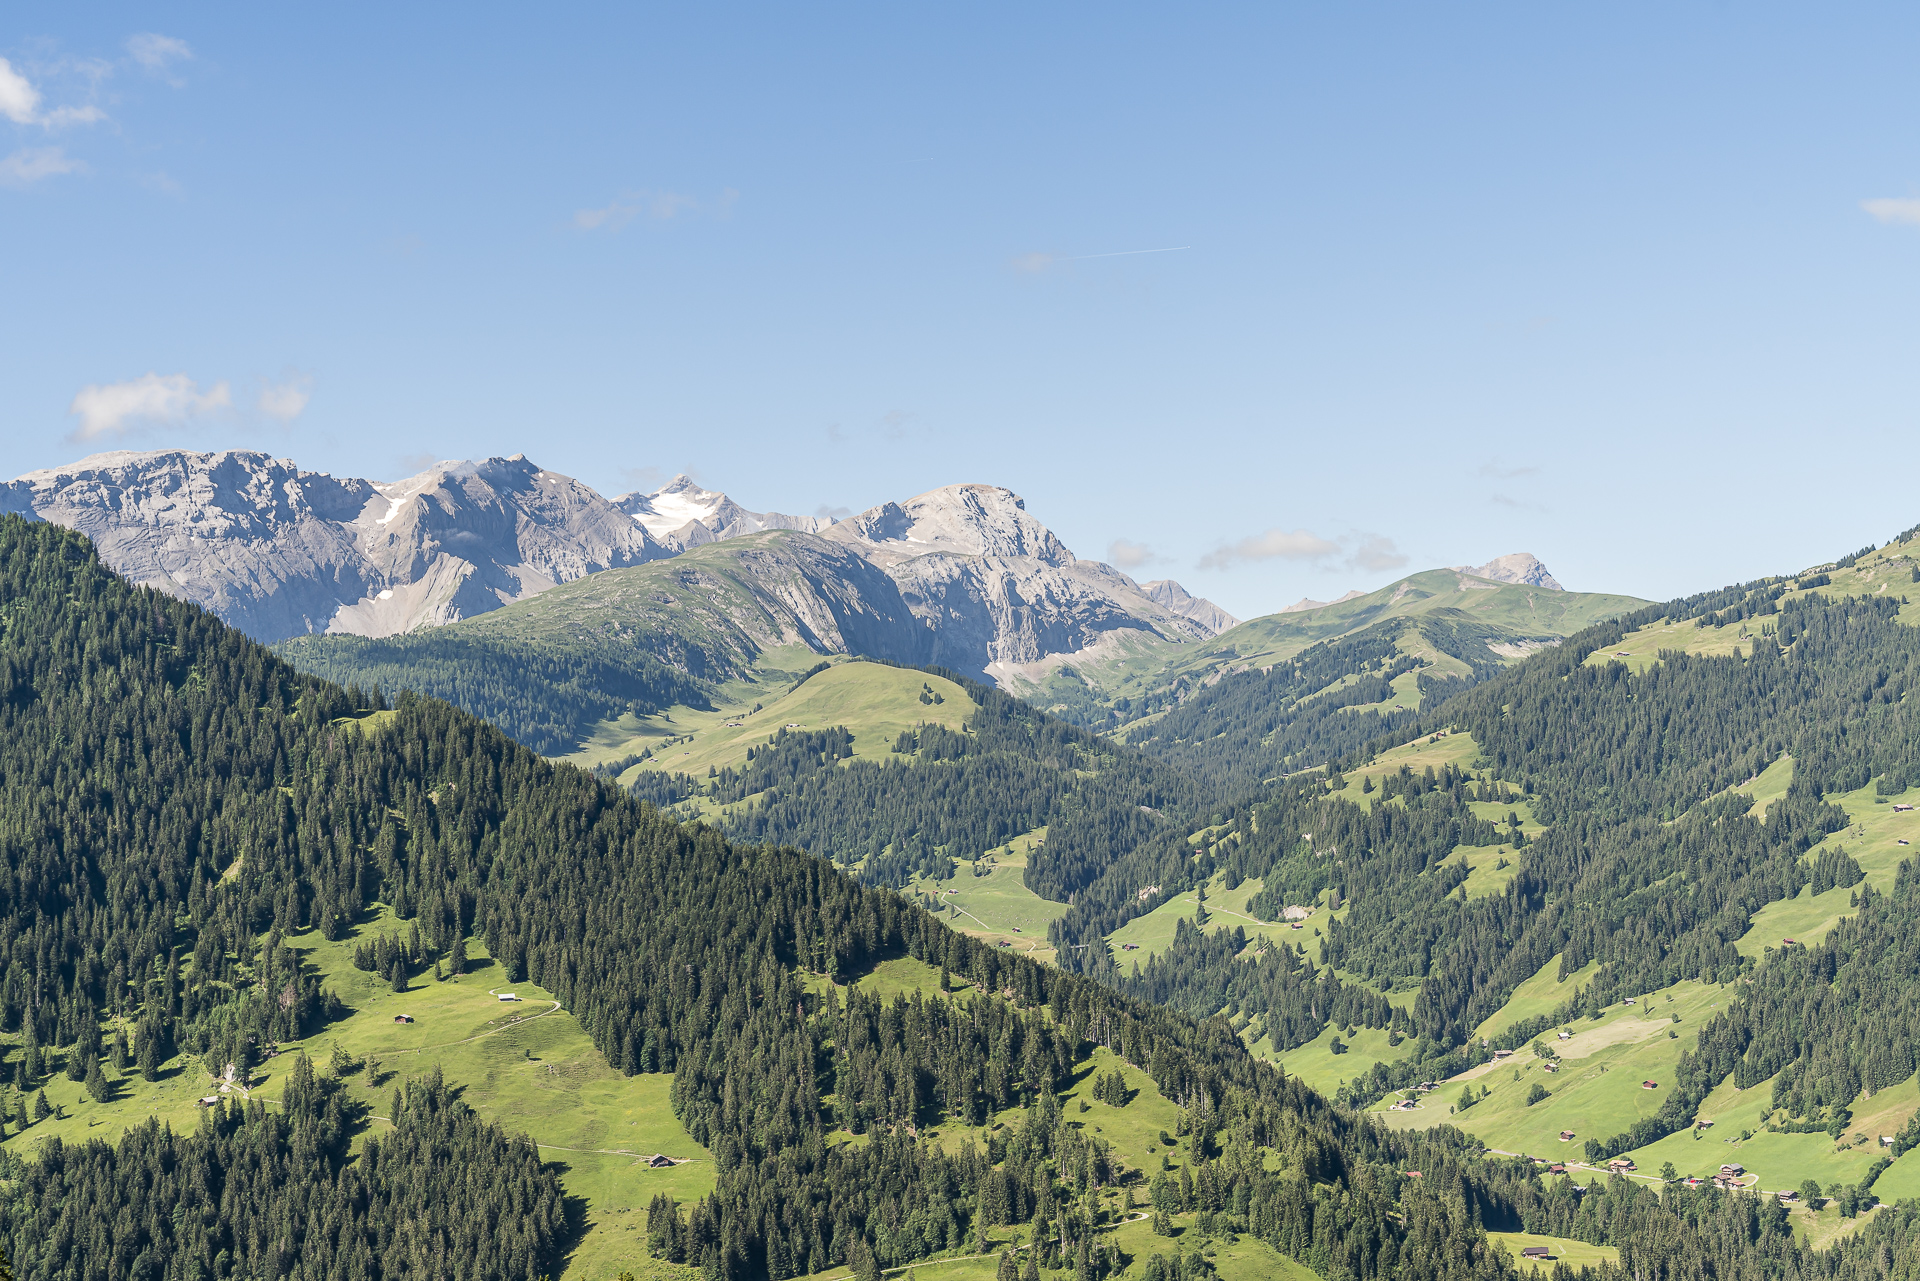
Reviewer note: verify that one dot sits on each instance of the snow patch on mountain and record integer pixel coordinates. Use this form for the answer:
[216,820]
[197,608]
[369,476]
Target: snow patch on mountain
[680,514]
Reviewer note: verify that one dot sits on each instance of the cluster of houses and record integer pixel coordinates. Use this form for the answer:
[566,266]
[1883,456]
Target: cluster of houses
[1728,1180]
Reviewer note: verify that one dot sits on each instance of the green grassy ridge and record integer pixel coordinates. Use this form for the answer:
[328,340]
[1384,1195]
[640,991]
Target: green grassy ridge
[1508,613]
[1886,571]
[874,702]
[641,636]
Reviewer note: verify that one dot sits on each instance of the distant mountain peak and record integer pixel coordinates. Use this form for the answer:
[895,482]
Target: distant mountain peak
[959,520]
[279,551]
[1307,602]
[680,514]
[1523,568]
[1171,595]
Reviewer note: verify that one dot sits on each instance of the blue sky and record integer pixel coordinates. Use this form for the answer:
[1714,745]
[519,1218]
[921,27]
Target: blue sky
[1634,290]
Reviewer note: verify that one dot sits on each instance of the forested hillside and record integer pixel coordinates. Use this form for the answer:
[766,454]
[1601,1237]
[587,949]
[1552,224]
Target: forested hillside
[1322,704]
[158,762]
[945,795]
[541,695]
[179,800]
[1650,868]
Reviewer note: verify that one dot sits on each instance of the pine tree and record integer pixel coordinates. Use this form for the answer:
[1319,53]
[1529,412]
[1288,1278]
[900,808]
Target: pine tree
[97,1086]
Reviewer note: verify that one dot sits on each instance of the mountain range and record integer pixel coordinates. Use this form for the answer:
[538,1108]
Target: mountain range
[281,552]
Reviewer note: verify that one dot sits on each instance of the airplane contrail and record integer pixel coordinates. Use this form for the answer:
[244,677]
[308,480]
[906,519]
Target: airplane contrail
[1124,253]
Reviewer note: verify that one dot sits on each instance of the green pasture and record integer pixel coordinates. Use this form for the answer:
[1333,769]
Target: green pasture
[873,701]
[524,1064]
[1537,996]
[1872,838]
[1597,1092]
[989,899]
[1450,747]
[1321,1069]
[1575,1254]
[1152,933]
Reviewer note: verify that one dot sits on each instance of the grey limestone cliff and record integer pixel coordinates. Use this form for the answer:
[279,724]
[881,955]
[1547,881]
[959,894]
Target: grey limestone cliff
[282,552]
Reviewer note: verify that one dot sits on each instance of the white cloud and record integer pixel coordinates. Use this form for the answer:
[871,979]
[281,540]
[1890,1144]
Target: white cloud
[19,100]
[61,116]
[1275,544]
[612,218]
[662,206]
[1127,554]
[113,408]
[1894,209]
[1370,552]
[1375,554]
[154,51]
[20,103]
[31,164]
[286,401]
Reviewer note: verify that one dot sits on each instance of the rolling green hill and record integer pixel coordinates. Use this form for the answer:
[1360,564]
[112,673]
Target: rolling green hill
[725,620]
[1482,620]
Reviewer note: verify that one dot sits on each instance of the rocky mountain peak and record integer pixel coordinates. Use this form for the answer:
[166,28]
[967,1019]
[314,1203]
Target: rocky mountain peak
[1523,568]
[1171,595]
[958,520]
[279,552]
[680,514]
